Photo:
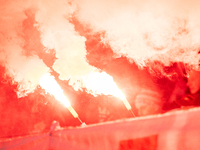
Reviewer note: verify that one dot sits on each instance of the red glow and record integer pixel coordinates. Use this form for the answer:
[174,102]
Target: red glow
[136,43]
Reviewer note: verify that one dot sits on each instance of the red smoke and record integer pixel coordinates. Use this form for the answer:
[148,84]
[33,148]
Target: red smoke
[128,40]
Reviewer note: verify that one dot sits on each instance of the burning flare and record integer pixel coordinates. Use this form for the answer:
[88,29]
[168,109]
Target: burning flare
[102,83]
[50,85]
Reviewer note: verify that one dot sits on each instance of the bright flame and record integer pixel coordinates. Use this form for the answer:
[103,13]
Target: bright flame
[102,83]
[50,85]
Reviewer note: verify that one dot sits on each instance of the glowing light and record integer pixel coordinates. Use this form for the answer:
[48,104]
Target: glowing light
[102,83]
[50,85]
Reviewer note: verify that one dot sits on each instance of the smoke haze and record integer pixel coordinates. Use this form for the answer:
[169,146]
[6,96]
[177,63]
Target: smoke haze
[142,31]
[24,70]
[76,39]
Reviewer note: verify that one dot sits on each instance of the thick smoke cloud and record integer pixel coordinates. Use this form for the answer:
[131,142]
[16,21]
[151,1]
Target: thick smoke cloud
[143,30]
[51,20]
[59,34]
[24,70]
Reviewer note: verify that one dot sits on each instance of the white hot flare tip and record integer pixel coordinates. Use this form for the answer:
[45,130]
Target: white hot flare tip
[50,85]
